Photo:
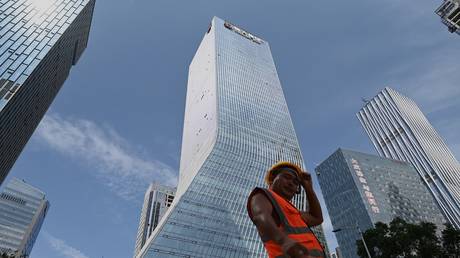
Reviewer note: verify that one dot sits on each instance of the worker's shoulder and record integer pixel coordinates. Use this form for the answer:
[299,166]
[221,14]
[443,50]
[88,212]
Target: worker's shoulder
[257,190]
[257,193]
[260,197]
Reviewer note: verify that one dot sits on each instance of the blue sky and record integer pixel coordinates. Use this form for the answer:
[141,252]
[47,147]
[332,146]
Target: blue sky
[116,124]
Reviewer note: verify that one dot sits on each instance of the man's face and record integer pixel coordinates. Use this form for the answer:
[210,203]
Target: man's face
[285,184]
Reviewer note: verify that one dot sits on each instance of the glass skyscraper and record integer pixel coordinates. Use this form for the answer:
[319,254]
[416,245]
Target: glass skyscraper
[22,211]
[449,12]
[157,200]
[40,40]
[236,126]
[362,189]
[399,130]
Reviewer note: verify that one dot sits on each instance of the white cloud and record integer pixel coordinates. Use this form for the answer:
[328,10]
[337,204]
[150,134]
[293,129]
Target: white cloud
[437,89]
[431,81]
[117,164]
[455,148]
[63,248]
[448,129]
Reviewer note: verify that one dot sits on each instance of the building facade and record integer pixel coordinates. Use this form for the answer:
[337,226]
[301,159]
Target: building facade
[362,189]
[39,43]
[449,12]
[399,130]
[157,200]
[22,211]
[337,252]
[236,126]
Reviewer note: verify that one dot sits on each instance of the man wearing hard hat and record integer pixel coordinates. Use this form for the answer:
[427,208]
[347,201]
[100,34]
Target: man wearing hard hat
[284,230]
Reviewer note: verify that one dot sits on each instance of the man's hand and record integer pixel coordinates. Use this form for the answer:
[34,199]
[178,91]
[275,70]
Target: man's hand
[305,180]
[314,215]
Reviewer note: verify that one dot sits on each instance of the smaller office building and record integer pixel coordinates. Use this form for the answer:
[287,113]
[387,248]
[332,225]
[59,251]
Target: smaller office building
[22,211]
[157,200]
[449,12]
[362,189]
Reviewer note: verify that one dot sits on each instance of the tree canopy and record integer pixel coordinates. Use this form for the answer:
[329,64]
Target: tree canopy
[402,239]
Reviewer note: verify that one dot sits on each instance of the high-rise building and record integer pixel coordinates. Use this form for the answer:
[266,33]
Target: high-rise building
[337,252]
[157,200]
[319,233]
[22,211]
[399,130]
[236,126]
[449,11]
[40,40]
[362,189]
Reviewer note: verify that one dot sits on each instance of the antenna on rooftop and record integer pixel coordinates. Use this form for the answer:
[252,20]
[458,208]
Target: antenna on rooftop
[364,100]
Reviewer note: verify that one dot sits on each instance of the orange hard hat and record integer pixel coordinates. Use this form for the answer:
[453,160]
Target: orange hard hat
[275,169]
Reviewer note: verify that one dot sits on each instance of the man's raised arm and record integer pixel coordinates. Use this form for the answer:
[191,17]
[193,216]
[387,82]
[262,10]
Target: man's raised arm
[314,215]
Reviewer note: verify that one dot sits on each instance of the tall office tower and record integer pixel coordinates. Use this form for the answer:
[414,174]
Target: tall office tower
[362,189]
[338,252]
[319,233]
[449,12]
[236,126]
[157,201]
[399,130]
[22,211]
[40,40]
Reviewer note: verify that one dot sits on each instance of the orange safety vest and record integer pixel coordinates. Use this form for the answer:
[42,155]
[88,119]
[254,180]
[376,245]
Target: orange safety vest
[292,224]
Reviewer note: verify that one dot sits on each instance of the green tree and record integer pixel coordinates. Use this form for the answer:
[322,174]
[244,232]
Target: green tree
[400,234]
[377,241]
[425,243]
[451,241]
[401,239]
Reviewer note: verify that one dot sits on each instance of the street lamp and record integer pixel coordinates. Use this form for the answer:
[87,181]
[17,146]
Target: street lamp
[360,233]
